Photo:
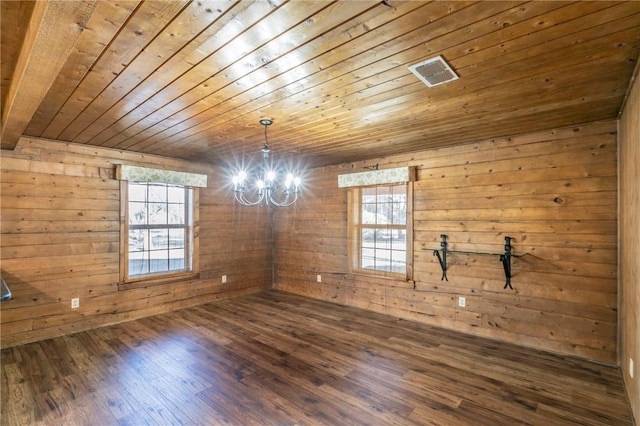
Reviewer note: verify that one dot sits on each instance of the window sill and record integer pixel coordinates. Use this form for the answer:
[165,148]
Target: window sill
[157,280]
[381,275]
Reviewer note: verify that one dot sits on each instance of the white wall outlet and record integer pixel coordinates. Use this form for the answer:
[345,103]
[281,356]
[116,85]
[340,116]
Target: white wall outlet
[75,303]
[462,301]
[224,279]
[319,278]
[631,367]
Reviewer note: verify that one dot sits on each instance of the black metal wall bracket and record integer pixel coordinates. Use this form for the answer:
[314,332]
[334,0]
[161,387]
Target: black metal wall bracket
[506,262]
[443,259]
[505,258]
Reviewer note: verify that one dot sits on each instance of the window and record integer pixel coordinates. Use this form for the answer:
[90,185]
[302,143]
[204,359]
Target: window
[380,230]
[158,231]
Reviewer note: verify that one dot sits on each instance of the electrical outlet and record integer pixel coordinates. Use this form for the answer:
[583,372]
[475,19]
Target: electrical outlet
[75,303]
[631,367]
[319,278]
[462,302]
[224,279]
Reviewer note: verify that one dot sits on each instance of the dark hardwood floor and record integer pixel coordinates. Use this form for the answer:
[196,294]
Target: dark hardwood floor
[278,359]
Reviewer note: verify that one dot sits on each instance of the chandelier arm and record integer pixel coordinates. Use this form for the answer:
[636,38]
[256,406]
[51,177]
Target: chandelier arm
[289,203]
[285,202]
[242,199]
[273,202]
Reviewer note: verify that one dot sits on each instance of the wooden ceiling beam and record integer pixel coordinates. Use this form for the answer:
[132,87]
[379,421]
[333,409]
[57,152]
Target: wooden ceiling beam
[93,44]
[53,30]
[14,17]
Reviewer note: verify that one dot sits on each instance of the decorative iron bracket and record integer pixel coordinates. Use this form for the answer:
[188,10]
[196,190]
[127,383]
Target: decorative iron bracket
[506,262]
[443,259]
[505,258]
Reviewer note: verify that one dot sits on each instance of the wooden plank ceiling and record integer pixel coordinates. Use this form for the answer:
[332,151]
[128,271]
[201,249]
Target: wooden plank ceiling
[192,79]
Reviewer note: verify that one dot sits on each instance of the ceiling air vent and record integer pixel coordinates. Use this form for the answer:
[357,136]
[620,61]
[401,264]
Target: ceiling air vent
[434,71]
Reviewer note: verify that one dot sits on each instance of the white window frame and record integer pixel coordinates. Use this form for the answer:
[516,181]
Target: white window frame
[356,226]
[191,241]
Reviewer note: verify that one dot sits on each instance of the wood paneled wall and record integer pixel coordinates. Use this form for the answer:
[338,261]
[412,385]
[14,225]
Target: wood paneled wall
[60,240]
[629,241]
[554,192]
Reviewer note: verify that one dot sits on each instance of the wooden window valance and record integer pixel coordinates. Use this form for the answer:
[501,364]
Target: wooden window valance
[377,177]
[149,175]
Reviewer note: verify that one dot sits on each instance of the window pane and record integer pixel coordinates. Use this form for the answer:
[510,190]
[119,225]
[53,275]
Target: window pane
[137,240]
[368,237]
[176,194]
[368,214]
[158,193]
[176,238]
[137,192]
[383,260]
[399,213]
[158,261]
[138,263]
[176,260]
[400,198]
[368,195]
[176,214]
[384,214]
[137,213]
[399,261]
[157,214]
[399,239]
[367,258]
[384,194]
[159,239]
[383,238]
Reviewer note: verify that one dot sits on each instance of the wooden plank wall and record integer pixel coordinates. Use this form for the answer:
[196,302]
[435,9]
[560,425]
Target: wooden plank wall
[554,192]
[629,241]
[60,240]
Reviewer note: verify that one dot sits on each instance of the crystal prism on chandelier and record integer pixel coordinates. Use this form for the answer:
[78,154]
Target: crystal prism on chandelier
[266,191]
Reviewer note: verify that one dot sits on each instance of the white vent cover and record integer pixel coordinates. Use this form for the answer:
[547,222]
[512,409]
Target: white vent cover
[434,71]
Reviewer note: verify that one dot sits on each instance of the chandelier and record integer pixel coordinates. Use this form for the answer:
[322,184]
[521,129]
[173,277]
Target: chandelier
[266,187]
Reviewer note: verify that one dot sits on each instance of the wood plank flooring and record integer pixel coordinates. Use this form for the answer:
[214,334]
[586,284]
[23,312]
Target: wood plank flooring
[273,358]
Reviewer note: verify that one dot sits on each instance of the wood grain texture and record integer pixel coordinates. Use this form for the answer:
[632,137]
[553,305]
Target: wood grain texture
[60,239]
[14,21]
[629,241]
[191,79]
[553,192]
[278,359]
[53,29]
